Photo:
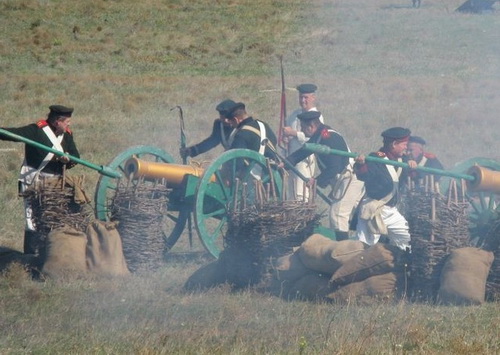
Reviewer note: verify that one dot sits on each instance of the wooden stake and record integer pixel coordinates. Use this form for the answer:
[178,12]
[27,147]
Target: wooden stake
[449,194]
[235,196]
[433,207]
[463,186]
[312,193]
[285,185]
[63,176]
[244,197]
[271,177]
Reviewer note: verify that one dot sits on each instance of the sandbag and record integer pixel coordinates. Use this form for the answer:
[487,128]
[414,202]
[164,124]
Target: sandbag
[65,255]
[324,255]
[286,270]
[378,259]
[207,276]
[463,277]
[311,287]
[289,267]
[385,287]
[104,253]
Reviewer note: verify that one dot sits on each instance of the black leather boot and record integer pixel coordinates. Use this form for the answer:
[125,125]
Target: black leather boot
[31,242]
[341,235]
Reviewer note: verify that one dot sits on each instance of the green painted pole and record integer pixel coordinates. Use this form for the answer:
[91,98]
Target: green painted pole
[322,149]
[104,170]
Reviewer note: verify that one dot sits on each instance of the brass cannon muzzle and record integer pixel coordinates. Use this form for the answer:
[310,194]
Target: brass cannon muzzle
[173,173]
[484,179]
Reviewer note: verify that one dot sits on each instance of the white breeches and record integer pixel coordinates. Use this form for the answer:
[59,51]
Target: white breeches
[397,227]
[351,190]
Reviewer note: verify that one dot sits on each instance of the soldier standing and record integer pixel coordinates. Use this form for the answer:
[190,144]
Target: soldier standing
[52,132]
[221,131]
[296,138]
[250,133]
[378,213]
[336,171]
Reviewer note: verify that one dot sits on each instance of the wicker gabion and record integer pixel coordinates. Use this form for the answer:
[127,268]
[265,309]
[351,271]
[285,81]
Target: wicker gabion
[492,243]
[438,225]
[139,209]
[258,234]
[54,206]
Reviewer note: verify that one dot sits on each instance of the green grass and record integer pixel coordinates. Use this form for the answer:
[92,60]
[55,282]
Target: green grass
[148,314]
[124,64]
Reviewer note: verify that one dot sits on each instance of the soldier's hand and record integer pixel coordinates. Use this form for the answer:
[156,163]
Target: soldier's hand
[360,159]
[289,132]
[184,152]
[63,159]
[412,164]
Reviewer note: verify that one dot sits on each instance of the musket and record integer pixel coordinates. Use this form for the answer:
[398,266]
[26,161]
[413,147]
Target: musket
[281,142]
[184,161]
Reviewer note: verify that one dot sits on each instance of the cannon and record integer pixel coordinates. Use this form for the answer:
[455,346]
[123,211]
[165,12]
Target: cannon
[206,194]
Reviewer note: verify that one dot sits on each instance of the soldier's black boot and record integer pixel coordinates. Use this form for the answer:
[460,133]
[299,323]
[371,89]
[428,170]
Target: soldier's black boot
[339,236]
[31,242]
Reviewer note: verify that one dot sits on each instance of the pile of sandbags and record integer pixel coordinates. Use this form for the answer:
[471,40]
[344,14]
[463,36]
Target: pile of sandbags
[340,271]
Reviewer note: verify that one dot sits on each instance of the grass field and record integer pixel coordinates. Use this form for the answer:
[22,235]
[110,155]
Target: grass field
[124,64]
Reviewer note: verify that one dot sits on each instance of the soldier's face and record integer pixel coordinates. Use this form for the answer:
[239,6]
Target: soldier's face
[399,148]
[62,124]
[225,121]
[308,128]
[307,101]
[415,150]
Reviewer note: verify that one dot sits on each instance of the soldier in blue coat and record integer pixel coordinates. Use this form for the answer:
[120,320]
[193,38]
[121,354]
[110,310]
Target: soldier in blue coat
[378,213]
[335,171]
[221,130]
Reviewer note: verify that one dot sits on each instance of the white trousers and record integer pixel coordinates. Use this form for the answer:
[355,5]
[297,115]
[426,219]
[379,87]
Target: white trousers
[397,227]
[350,191]
[28,208]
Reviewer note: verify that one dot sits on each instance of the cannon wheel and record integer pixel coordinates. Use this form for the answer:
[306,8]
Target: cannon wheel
[484,205]
[106,188]
[214,199]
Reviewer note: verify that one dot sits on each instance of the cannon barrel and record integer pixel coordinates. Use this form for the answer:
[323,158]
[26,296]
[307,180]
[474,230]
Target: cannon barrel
[478,178]
[101,169]
[173,173]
